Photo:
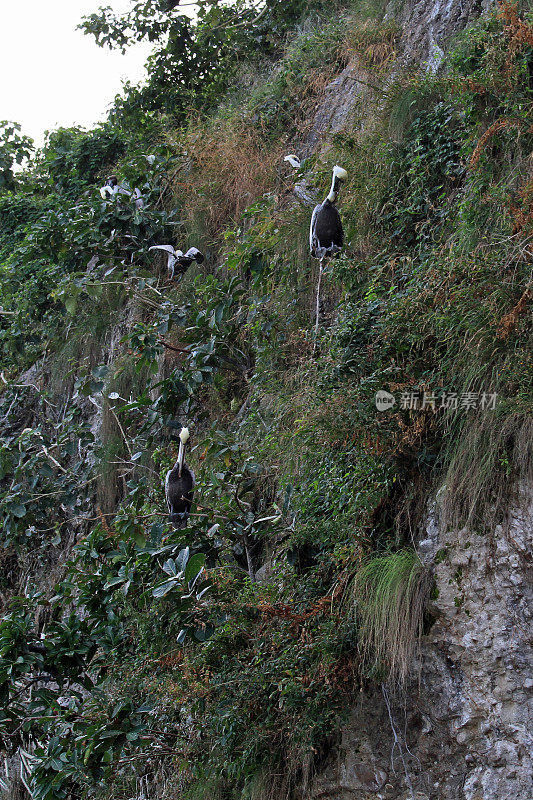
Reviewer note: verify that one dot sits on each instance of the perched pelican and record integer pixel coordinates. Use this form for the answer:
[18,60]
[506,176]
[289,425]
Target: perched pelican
[179,487]
[303,190]
[137,196]
[112,187]
[326,236]
[177,261]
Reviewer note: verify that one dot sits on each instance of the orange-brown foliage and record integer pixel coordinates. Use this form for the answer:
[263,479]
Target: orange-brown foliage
[518,31]
[104,523]
[509,322]
[517,34]
[283,611]
[523,214]
[495,128]
[231,169]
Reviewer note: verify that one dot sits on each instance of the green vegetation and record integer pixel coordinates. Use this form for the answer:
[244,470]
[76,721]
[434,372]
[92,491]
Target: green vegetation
[220,660]
[390,594]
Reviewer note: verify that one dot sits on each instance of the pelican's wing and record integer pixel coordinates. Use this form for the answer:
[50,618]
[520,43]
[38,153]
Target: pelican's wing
[166,492]
[139,200]
[104,191]
[293,160]
[312,241]
[166,247]
[195,254]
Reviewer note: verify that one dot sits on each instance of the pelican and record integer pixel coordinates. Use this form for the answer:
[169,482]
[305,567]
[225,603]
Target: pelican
[179,486]
[178,261]
[112,187]
[293,160]
[303,191]
[326,236]
[139,199]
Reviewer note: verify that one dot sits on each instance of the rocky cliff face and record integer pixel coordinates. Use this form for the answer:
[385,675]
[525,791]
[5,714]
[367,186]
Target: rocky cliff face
[458,729]
[426,28]
[461,729]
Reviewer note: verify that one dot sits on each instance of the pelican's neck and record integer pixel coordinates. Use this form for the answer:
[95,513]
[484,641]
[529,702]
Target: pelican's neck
[334,191]
[181,455]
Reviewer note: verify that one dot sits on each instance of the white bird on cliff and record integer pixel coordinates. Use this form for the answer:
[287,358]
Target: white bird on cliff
[178,261]
[179,486]
[303,190]
[326,235]
[112,187]
[293,160]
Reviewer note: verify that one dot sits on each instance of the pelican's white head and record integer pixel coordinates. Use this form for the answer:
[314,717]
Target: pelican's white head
[339,173]
[184,435]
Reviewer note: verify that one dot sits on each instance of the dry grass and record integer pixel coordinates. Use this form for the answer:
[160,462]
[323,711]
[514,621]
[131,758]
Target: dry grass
[492,455]
[229,167]
[495,128]
[374,43]
[522,210]
[518,30]
[509,322]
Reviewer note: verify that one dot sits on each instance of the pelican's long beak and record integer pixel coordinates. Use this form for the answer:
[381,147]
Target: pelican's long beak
[184,435]
[181,456]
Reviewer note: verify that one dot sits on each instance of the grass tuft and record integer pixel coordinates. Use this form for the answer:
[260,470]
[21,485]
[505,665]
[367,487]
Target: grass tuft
[390,594]
[492,455]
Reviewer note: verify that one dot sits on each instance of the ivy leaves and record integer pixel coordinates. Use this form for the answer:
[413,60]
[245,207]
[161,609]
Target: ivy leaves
[183,569]
[52,688]
[428,167]
[15,148]
[40,474]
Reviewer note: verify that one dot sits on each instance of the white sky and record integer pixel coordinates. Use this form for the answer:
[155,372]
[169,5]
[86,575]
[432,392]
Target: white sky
[52,74]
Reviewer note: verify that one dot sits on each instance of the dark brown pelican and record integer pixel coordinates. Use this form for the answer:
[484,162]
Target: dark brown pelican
[179,487]
[177,261]
[326,236]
